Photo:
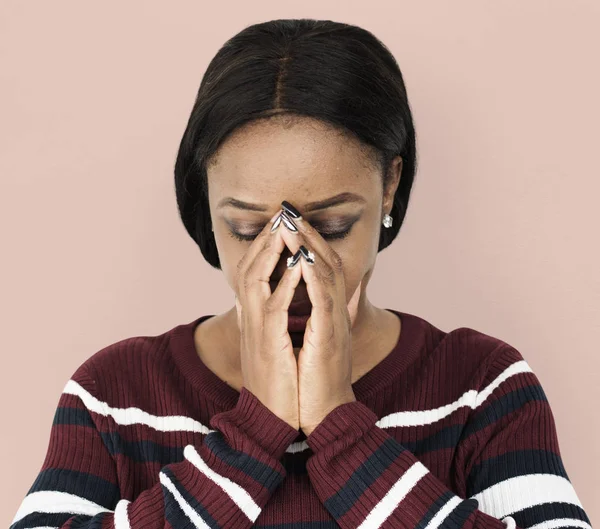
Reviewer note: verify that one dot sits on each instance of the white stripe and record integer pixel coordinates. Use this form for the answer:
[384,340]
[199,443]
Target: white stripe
[561,522]
[49,501]
[194,517]
[238,494]
[521,492]
[443,513]
[175,423]
[128,416]
[121,515]
[424,417]
[514,369]
[470,398]
[394,496]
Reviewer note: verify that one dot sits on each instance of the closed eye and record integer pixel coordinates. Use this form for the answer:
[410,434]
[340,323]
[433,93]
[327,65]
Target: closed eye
[327,236]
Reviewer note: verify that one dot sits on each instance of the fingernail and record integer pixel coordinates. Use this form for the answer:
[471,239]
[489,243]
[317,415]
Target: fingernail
[308,255]
[276,223]
[288,223]
[292,260]
[290,210]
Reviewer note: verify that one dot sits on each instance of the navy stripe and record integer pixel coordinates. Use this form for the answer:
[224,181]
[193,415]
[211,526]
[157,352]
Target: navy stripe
[81,484]
[458,516]
[77,416]
[502,407]
[198,507]
[363,477]
[142,451]
[516,463]
[295,464]
[85,522]
[437,505]
[40,519]
[549,511]
[447,437]
[173,512]
[262,473]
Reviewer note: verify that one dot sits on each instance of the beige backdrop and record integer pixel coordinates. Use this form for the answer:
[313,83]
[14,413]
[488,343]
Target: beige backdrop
[501,234]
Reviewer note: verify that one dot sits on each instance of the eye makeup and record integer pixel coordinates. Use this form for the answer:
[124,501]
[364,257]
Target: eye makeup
[329,231]
[326,236]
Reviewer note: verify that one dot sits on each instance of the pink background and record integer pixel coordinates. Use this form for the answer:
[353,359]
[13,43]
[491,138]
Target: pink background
[501,234]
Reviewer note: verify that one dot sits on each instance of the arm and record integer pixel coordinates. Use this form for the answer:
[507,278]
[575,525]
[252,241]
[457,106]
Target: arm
[515,477]
[226,481]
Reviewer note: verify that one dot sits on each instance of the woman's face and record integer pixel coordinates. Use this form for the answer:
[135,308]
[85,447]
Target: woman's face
[304,162]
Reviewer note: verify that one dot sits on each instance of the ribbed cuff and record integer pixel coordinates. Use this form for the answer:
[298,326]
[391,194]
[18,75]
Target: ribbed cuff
[350,421]
[256,423]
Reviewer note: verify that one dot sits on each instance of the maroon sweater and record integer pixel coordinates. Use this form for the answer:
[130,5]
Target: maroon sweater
[450,430]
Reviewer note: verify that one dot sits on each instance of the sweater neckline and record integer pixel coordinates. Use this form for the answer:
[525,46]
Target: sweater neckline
[208,383]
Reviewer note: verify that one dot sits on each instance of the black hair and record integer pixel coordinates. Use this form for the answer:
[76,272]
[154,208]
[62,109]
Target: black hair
[337,73]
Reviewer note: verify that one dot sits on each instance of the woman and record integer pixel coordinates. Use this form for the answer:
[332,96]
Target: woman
[304,403]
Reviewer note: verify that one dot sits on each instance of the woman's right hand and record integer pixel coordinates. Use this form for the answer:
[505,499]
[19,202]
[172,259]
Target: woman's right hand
[269,367]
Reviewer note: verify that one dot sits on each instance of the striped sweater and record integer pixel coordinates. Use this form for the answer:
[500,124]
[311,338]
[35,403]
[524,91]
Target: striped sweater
[451,429]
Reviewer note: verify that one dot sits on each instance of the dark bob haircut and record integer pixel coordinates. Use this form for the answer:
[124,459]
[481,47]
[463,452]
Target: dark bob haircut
[337,73]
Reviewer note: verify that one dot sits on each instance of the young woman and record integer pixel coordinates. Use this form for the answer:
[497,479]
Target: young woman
[304,403]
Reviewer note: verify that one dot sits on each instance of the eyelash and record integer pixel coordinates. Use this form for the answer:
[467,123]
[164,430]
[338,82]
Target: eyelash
[327,236]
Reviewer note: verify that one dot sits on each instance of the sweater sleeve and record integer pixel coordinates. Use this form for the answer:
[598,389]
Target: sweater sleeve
[225,482]
[512,471]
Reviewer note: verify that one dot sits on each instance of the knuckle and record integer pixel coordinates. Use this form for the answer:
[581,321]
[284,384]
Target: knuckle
[247,280]
[240,264]
[328,303]
[270,306]
[329,276]
[336,263]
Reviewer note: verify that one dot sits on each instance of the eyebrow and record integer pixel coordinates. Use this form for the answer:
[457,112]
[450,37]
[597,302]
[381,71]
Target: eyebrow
[342,198]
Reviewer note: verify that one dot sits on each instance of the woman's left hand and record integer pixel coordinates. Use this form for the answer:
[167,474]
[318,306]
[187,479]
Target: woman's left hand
[325,359]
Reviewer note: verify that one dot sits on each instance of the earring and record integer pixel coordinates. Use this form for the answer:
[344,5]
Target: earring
[387,220]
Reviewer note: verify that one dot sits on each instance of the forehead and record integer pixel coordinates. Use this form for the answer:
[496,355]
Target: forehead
[291,157]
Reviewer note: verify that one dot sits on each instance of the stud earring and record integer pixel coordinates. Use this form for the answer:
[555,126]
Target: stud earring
[387,220]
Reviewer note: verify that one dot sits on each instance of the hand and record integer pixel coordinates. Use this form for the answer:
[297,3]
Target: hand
[325,359]
[269,367]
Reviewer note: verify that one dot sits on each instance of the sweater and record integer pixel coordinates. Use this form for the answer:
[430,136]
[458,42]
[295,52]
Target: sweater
[450,430]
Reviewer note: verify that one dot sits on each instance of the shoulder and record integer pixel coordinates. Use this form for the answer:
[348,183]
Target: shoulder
[492,370]
[120,373]
[477,357]
[480,370]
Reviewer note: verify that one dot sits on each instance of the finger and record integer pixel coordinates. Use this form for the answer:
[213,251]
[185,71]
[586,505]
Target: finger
[277,306]
[325,285]
[323,291]
[258,276]
[329,271]
[261,243]
[315,242]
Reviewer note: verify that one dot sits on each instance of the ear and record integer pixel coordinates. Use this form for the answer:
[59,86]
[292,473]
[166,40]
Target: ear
[392,184]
